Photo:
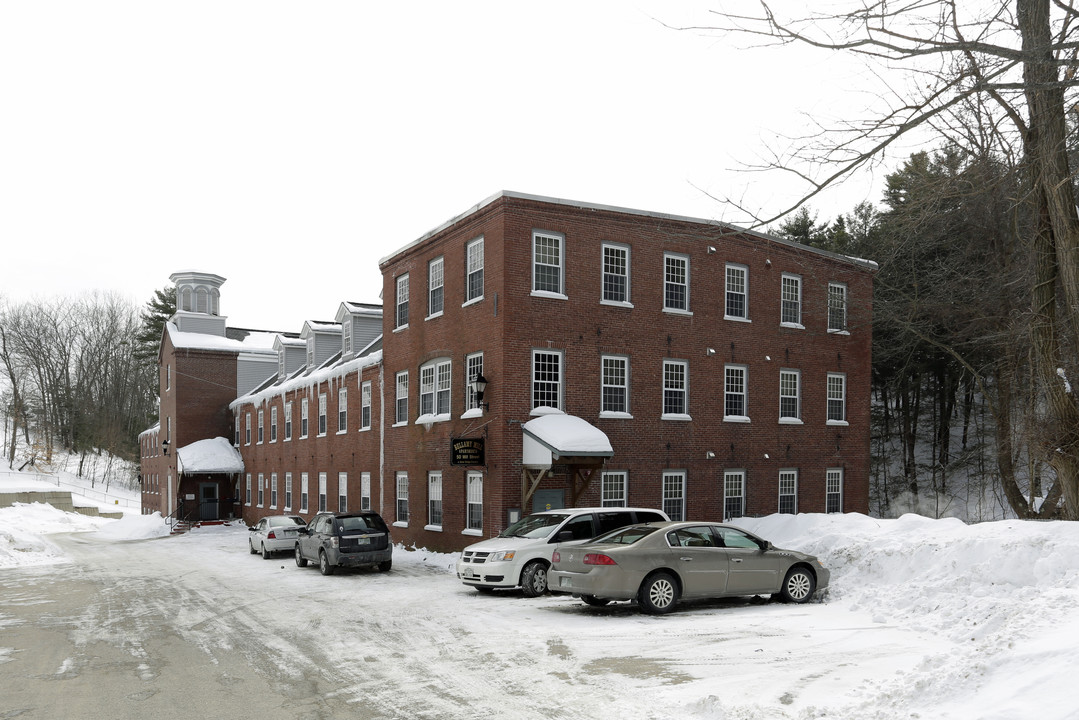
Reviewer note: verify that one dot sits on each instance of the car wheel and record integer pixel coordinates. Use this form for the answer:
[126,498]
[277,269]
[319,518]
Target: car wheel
[534,579]
[798,586]
[265,553]
[324,565]
[251,547]
[301,561]
[658,594]
[594,601]
[385,565]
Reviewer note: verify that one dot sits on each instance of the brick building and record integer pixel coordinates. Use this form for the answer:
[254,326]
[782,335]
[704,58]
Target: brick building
[727,373]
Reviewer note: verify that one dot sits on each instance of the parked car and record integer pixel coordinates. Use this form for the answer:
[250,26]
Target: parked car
[521,554]
[274,534]
[660,563]
[345,540]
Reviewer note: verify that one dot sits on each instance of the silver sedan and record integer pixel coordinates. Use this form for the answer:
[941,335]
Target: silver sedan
[657,564]
[274,534]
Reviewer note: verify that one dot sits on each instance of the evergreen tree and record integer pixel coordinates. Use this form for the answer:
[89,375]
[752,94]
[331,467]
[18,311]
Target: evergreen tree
[157,312]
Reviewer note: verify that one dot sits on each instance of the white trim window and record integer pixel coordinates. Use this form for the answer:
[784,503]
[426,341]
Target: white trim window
[615,280]
[310,352]
[676,282]
[273,424]
[837,307]
[837,399]
[288,421]
[262,418]
[322,408]
[261,490]
[401,308]
[435,391]
[613,489]
[473,367]
[674,494]
[288,491]
[788,491]
[322,492]
[790,396]
[474,270]
[346,337]
[303,418]
[401,401]
[736,300]
[303,492]
[273,490]
[735,383]
[547,379]
[675,389]
[365,491]
[365,406]
[342,410]
[236,432]
[342,492]
[474,503]
[548,263]
[791,301]
[402,498]
[833,490]
[247,428]
[614,385]
[247,496]
[734,494]
[434,500]
[435,287]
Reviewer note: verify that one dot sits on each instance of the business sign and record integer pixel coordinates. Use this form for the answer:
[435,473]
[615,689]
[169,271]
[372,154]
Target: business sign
[466,451]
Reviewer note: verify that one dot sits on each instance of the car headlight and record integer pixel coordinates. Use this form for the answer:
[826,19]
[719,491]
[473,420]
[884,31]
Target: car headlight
[502,555]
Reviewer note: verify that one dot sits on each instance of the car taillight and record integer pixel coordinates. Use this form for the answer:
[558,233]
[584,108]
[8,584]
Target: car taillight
[556,557]
[271,535]
[598,559]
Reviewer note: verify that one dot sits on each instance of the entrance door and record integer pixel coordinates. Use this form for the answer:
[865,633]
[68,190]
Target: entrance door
[208,501]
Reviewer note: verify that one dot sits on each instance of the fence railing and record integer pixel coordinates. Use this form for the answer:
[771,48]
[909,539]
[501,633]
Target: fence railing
[108,498]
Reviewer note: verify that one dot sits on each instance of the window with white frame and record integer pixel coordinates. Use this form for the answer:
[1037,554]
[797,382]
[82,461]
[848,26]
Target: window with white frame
[273,424]
[734,494]
[546,379]
[790,395]
[322,492]
[402,398]
[247,428]
[365,491]
[674,494]
[473,368]
[236,433]
[435,388]
[311,352]
[834,490]
[435,289]
[737,293]
[281,364]
[791,300]
[322,414]
[474,502]
[247,496]
[734,392]
[547,262]
[261,485]
[303,418]
[288,421]
[261,415]
[342,410]
[346,336]
[614,489]
[614,384]
[675,388]
[474,270]
[837,307]
[434,499]
[675,282]
[273,490]
[342,492]
[401,318]
[303,492]
[402,497]
[788,491]
[365,406]
[288,491]
[837,398]
[615,273]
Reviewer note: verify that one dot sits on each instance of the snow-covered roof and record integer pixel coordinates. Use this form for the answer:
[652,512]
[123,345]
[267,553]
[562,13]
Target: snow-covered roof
[355,308]
[253,341]
[215,455]
[303,378]
[556,434]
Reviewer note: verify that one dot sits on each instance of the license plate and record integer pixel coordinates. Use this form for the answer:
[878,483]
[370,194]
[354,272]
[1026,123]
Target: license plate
[290,533]
[470,573]
[565,581]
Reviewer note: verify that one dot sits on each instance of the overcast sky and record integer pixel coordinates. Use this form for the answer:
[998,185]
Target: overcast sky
[267,141]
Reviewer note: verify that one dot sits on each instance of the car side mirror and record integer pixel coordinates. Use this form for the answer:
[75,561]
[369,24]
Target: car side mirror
[251,529]
[766,546]
[564,536]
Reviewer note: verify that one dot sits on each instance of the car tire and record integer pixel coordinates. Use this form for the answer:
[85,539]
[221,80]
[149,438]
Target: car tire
[658,594]
[251,547]
[324,565]
[385,565]
[594,601]
[798,586]
[265,553]
[301,561]
[534,579]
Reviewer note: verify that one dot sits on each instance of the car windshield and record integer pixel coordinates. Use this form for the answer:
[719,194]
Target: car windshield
[534,526]
[626,535]
[362,522]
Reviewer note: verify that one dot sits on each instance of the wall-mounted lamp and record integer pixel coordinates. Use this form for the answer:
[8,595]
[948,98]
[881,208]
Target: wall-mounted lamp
[165,447]
[767,262]
[711,249]
[708,455]
[479,385]
[710,351]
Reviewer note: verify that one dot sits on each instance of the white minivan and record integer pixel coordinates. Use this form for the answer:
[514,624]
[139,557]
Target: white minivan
[521,554]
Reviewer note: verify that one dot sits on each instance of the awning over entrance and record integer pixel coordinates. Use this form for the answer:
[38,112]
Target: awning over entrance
[215,455]
[567,439]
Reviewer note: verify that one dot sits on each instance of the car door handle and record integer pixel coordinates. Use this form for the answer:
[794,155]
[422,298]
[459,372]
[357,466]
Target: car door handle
[738,560]
[686,559]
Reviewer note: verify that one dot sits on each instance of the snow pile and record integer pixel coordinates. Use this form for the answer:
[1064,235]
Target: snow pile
[135,527]
[23,528]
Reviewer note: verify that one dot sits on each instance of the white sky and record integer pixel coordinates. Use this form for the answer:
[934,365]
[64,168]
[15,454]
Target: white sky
[261,139]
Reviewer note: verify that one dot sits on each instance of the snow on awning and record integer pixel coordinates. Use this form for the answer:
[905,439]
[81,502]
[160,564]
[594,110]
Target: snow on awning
[215,455]
[556,436]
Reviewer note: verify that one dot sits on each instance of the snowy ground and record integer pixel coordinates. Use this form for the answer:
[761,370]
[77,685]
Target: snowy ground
[924,619]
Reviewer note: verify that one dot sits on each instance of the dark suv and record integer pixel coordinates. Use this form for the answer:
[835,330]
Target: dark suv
[345,540]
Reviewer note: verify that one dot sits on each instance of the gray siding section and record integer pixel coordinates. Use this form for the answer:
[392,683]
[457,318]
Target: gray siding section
[198,323]
[252,371]
[364,329]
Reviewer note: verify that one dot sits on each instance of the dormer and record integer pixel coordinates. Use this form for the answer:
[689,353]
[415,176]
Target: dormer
[323,341]
[360,324]
[198,302]
[291,353]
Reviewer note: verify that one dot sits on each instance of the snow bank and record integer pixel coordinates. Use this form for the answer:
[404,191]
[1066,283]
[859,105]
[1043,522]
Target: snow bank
[23,528]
